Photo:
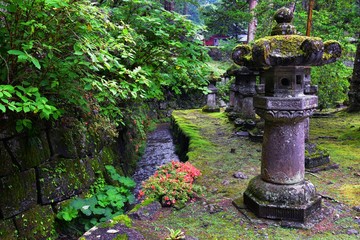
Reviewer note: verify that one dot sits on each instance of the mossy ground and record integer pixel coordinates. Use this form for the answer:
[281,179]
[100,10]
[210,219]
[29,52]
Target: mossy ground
[210,151]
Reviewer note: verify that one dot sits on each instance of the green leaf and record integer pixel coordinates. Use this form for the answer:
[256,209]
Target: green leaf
[35,62]
[16,52]
[2,108]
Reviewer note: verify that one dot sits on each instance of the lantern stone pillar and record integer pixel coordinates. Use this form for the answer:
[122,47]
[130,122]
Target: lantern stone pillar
[242,92]
[211,102]
[281,191]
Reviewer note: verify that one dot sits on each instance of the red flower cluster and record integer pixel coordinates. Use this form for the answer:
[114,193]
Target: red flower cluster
[172,184]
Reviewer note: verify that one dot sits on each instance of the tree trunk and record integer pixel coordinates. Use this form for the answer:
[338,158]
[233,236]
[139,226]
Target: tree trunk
[309,20]
[169,5]
[253,22]
[354,93]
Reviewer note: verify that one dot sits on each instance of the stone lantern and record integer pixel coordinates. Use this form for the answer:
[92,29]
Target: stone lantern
[211,102]
[243,91]
[281,191]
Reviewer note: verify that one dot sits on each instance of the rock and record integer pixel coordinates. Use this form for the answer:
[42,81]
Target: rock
[242,134]
[20,192]
[62,142]
[190,238]
[7,229]
[239,122]
[226,182]
[233,115]
[29,151]
[61,179]
[240,175]
[146,212]
[352,232]
[7,166]
[250,124]
[357,208]
[213,208]
[38,223]
[117,231]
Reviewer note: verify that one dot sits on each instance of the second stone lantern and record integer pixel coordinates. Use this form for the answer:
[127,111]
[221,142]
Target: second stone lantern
[281,191]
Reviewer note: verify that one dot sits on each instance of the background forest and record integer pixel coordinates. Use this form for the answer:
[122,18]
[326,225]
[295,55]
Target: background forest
[81,57]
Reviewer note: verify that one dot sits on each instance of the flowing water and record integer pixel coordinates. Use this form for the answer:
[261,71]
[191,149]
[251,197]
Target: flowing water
[160,149]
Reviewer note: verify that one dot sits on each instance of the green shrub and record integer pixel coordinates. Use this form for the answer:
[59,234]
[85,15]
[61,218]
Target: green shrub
[106,202]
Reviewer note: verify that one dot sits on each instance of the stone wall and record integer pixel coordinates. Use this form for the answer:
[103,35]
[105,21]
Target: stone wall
[41,169]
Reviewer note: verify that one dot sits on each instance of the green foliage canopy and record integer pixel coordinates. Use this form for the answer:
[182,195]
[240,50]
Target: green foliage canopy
[78,56]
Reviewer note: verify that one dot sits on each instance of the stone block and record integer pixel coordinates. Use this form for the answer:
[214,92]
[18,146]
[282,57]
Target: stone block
[62,142]
[37,223]
[7,166]
[85,144]
[7,230]
[62,178]
[29,151]
[108,156]
[18,193]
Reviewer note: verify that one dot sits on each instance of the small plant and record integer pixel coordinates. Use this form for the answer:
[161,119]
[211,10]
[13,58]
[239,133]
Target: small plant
[172,184]
[175,234]
[105,202]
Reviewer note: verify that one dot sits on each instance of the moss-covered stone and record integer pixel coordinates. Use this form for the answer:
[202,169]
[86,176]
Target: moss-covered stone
[7,230]
[18,193]
[108,156]
[211,109]
[29,151]
[7,167]
[62,178]
[37,223]
[62,142]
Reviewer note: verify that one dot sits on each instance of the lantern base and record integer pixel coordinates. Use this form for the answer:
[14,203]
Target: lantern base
[295,202]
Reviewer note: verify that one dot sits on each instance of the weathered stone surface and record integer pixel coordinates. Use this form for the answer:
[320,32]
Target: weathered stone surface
[62,178]
[7,230]
[108,156]
[211,104]
[146,212]
[62,142]
[118,231]
[7,166]
[315,156]
[37,223]
[290,104]
[298,213]
[240,175]
[29,151]
[281,192]
[18,193]
[276,194]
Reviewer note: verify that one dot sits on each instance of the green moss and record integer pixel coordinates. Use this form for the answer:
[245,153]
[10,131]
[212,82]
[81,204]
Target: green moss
[340,136]
[18,193]
[144,203]
[7,230]
[38,222]
[286,45]
[121,237]
[122,219]
[217,163]
[108,156]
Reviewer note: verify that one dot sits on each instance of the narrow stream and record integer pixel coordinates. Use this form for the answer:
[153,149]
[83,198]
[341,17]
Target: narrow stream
[160,149]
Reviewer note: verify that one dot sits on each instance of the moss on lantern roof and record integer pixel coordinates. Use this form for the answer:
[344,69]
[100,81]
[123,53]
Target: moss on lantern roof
[287,45]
